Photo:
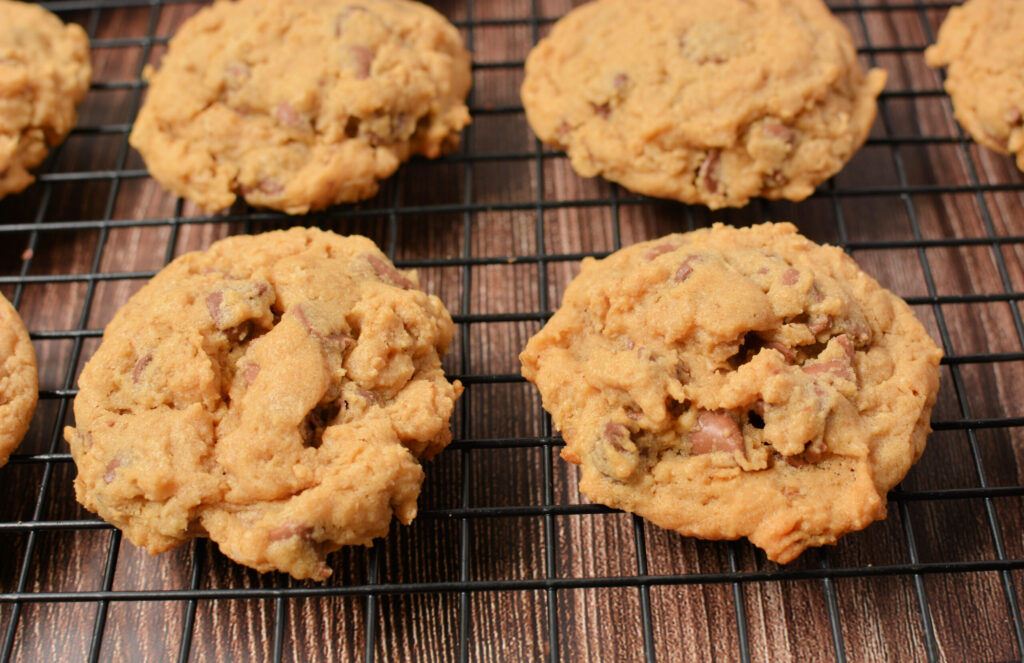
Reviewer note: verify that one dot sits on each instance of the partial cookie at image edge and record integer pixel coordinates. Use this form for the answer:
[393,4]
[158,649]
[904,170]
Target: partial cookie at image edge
[44,74]
[979,44]
[19,380]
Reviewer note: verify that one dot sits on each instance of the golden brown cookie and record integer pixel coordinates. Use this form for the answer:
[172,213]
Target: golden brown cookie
[275,393]
[981,43]
[19,380]
[44,73]
[737,382]
[704,101]
[303,104]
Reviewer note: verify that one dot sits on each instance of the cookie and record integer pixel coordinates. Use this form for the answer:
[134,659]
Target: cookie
[704,101]
[980,45]
[732,383]
[19,380]
[44,74]
[276,393]
[303,104]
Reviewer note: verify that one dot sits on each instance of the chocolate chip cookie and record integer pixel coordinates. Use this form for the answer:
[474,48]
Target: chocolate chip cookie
[276,393]
[300,105]
[704,101]
[732,383]
[44,74]
[981,47]
[19,380]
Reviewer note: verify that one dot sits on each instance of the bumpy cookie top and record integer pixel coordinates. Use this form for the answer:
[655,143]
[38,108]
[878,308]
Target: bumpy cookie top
[981,44]
[737,382]
[44,73]
[274,393]
[705,101]
[301,104]
[19,387]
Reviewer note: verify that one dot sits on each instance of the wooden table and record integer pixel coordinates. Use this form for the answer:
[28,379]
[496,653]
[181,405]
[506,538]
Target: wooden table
[506,562]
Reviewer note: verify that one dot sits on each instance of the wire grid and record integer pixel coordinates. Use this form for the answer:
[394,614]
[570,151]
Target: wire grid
[739,575]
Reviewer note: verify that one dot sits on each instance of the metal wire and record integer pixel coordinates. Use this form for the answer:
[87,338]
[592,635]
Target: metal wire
[35,229]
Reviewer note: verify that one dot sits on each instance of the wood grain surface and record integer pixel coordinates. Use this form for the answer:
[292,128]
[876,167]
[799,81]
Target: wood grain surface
[497,230]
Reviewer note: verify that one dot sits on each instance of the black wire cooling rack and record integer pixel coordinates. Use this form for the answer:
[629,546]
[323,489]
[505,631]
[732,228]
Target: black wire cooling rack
[505,561]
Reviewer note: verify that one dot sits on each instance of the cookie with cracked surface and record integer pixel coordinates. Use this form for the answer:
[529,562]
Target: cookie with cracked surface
[303,104]
[275,393]
[704,101]
[44,74]
[732,383]
[19,380]
[980,45]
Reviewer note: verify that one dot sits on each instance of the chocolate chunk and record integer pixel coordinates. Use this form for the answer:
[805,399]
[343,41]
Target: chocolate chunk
[615,454]
[562,130]
[250,372]
[363,58]
[235,72]
[300,314]
[286,115]
[661,249]
[288,530]
[780,131]
[844,342]
[371,397]
[340,340]
[213,305]
[782,349]
[707,174]
[819,323]
[140,366]
[337,340]
[839,368]
[270,186]
[110,473]
[685,269]
[386,272]
[613,430]
[715,432]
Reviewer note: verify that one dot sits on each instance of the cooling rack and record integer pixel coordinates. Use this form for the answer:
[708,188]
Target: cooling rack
[506,561]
